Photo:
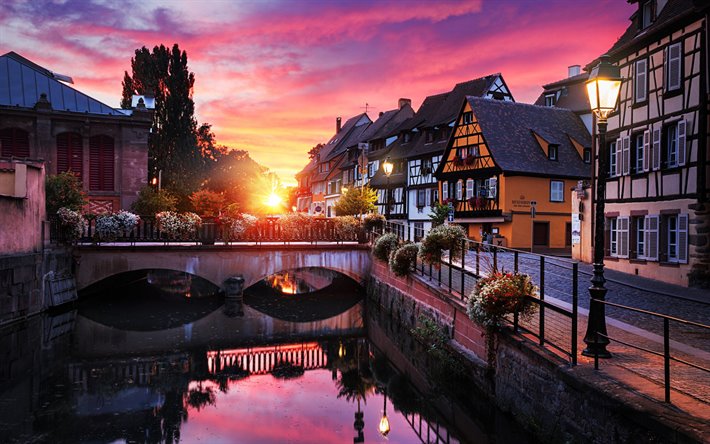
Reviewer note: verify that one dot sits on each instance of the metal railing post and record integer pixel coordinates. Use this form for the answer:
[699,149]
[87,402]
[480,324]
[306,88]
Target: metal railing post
[515,261]
[451,259]
[667,359]
[495,259]
[464,249]
[575,299]
[542,299]
[478,260]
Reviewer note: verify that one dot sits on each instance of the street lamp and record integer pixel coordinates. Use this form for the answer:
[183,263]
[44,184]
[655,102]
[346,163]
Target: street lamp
[387,167]
[603,90]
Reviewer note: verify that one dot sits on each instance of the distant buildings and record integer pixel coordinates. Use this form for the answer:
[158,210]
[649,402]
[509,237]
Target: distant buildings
[43,118]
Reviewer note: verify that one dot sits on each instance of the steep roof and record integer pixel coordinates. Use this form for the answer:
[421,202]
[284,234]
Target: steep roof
[571,93]
[22,82]
[347,135]
[508,128]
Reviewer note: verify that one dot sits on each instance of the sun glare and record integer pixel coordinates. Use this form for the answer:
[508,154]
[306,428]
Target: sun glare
[273,200]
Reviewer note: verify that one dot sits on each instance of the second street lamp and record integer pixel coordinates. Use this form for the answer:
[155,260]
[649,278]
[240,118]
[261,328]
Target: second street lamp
[603,90]
[387,167]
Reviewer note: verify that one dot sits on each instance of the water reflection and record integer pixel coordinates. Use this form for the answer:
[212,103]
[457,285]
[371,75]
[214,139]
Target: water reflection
[301,280]
[250,379]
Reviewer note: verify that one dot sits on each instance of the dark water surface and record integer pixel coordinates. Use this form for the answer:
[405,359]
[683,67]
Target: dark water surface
[159,357]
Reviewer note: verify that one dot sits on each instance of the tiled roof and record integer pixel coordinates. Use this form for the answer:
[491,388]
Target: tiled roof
[508,131]
[347,134]
[572,93]
[22,82]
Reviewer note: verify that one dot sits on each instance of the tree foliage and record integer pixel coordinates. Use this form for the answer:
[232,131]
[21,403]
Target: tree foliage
[313,152]
[440,213]
[64,190]
[151,201]
[356,201]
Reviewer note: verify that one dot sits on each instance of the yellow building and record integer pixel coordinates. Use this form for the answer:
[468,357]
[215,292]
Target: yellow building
[502,159]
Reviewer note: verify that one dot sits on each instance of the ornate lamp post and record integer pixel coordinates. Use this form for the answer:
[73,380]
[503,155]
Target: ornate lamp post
[387,167]
[603,90]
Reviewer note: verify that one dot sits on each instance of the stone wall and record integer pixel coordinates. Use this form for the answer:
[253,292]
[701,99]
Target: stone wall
[557,402]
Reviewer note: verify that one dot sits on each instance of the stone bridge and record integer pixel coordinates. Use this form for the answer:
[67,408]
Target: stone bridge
[217,264]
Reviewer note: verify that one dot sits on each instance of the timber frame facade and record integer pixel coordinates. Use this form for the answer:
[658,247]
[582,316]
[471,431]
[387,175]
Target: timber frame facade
[657,215]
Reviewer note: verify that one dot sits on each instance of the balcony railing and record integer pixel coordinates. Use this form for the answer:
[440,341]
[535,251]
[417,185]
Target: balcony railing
[477,207]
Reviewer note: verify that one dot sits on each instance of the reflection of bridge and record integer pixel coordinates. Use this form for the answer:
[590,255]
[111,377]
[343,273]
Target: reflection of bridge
[217,264]
[262,360]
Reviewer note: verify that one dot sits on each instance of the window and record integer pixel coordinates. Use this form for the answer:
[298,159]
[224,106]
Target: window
[462,152]
[445,190]
[675,144]
[421,198]
[675,229]
[612,159]
[617,236]
[552,152]
[672,233]
[70,153]
[492,186]
[639,153]
[429,136]
[469,188]
[15,143]
[406,137]
[587,155]
[418,231]
[640,81]
[101,161]
[467,117]
[443,133]
[459,190]
[612,236]
[647,14]
[639,224]
[426,167]
[673,67]
[557,193]
[550,99]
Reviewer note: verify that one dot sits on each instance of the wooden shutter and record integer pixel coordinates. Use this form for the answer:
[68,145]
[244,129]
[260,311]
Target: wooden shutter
[656,149]
[683,238]
[672,68]
[622,238]
[70,153]
[101,163]
[646,150]
[651,238]
[626,155]
[15,143]
[619,149]
[607,237]
[641,86]
[681,142]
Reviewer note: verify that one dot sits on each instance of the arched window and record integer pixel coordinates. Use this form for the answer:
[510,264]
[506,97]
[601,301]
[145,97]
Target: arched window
[15,142]
[101,163]
[69,153]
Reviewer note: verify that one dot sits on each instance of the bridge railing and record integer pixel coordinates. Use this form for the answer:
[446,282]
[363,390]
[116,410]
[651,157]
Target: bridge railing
[268,229]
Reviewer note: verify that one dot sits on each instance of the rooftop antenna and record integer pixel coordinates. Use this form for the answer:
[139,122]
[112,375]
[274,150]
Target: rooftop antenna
[367,107]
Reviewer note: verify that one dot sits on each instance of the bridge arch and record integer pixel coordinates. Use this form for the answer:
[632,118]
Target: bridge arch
[216,264]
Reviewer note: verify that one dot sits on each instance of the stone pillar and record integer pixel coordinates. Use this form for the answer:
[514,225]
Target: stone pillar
[699,245]
[234,296]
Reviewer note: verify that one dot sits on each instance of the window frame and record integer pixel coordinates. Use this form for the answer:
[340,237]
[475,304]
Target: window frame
[561,190]
[467,117]
[611,150]
[644,75]
[553,148]
[667,67]
[639,152]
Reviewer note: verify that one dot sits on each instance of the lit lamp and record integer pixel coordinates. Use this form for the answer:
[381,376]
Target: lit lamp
[603,90]
[387,167]
[384,427]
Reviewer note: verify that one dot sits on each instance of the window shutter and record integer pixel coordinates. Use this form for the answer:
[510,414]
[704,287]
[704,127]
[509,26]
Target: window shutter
[651,238]
[69,153]
[641,81]
[681,143]
[492,187]
[666,68]
[15,142]
[619,150]
[646,150]
[673,57]
[445,190]
[656,149]
[622,225]
[469,188]
[607,237]
[626,156]
[683,238]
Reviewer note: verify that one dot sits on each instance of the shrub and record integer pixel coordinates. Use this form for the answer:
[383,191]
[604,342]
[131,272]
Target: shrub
[374,221]
[241,225]
[73,224]
[440,211]
[111,226]
[440,238]
[295,225]
[178,226]
[346,227]
[207,203]
[384,246]
[150,201]
[403,258]
[64,191]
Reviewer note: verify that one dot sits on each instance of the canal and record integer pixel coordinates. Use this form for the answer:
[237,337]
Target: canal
[159,357]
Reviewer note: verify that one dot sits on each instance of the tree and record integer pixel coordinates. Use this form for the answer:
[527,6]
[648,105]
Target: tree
[172,147]
[356,202]
[315,150]
[239,178]
[64,190]
[439,214]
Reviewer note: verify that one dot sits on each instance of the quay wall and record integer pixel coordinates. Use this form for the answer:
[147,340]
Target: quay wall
[557,402]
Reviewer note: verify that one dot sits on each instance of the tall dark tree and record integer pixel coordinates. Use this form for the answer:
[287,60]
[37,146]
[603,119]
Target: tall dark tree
[172,147]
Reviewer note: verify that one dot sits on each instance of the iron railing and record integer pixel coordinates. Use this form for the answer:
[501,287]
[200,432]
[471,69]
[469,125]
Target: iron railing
[666,354]
[264,230]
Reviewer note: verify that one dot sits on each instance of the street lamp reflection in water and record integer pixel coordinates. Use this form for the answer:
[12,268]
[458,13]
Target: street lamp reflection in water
[384,427]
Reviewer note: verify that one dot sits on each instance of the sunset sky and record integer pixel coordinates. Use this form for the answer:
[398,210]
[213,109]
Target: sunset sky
[272,76]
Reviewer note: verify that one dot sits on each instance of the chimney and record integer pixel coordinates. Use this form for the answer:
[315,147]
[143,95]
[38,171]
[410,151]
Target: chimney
[574,70]
[403,102]
[338,123]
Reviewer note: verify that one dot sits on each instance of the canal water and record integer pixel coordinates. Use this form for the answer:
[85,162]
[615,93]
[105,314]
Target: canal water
[160,357]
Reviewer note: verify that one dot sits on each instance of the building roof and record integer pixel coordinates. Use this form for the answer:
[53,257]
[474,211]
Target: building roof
[22,82]
[571,93]
[508,128]
[347,136]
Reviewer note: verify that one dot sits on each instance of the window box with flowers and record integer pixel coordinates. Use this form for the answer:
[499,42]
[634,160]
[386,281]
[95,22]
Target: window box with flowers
[458,161]
[470,159]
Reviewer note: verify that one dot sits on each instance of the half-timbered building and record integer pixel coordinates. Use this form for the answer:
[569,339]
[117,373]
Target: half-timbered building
[42,117]
[502,159]
[657,216]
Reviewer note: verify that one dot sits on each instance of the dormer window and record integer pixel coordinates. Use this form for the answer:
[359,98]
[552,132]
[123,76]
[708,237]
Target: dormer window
[406,137]
[429,136]
[587,155]
[552,152]
[647,14]
[467,117]
[550,99]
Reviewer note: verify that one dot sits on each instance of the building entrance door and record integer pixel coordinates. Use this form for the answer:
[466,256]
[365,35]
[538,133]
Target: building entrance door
[541,234]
